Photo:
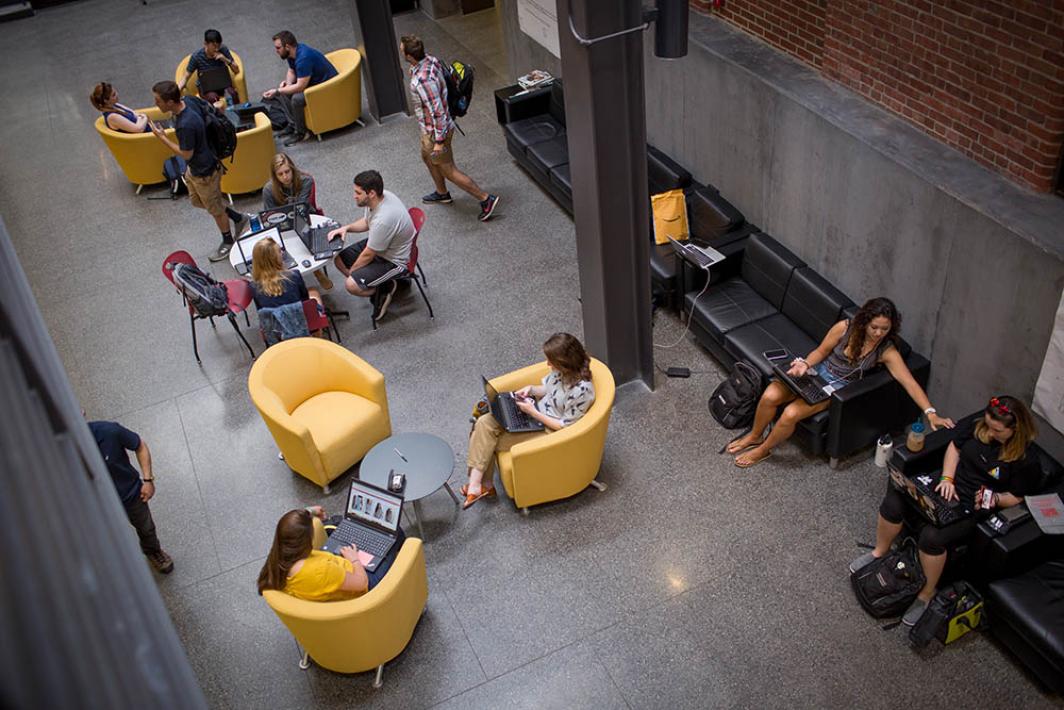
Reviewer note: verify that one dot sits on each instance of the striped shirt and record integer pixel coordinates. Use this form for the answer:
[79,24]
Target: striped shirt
[428,90]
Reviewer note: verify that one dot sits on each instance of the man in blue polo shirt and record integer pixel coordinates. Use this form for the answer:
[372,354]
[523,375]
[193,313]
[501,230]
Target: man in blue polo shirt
[307,67]
[134,489]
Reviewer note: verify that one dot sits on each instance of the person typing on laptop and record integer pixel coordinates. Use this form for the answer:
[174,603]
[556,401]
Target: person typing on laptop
[990,453]
[564,395]
[848,351]
[295,567]
[213,55]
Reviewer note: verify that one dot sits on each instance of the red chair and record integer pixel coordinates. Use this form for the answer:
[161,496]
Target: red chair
[414,272]
[238,291]
[318,321]
[313,199]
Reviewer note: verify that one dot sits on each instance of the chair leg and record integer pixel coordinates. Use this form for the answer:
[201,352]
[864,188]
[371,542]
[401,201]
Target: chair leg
[524,512]
[424,297]
[599,485]
[195,345]
[230,198]
[211,319]
[379,680]
[247,318]
[422,272]
[833,462]
[232,320]
[360,122]
[332,326]
[326,489]
[139,188]
[304,661]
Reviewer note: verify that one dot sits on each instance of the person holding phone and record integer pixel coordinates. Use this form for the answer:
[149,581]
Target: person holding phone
[989,464]
[848,351]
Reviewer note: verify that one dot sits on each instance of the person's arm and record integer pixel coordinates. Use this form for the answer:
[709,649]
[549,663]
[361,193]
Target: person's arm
[359,225]
[801,365]
[946,487]
[305,189]
[183,82]
[433,109]
[296,87]
[527,406]
[146,473]
[364,258]
[268,203]
[900,372]
[118,122]
[356,581]
[227,58]
[174,147]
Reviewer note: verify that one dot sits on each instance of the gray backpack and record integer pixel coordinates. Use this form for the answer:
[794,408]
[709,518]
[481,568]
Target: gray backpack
[207,297]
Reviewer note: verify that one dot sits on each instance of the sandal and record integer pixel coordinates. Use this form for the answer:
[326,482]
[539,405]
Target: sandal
[470,499]
[739,451]
[751,463]
[488,490]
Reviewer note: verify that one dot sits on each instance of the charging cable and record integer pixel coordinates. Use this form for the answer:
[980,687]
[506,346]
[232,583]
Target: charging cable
[690,315]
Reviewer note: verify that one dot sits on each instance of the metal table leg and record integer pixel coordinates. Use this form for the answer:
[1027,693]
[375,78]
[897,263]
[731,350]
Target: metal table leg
[450,492]
[417,517]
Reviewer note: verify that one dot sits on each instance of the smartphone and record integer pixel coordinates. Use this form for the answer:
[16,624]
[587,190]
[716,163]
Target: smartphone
[772,355]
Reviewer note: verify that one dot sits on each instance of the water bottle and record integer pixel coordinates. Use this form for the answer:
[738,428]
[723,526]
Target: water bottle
[256,223]
[915,441]
[883,449]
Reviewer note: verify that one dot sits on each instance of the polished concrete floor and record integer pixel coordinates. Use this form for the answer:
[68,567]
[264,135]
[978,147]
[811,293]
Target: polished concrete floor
[688,583]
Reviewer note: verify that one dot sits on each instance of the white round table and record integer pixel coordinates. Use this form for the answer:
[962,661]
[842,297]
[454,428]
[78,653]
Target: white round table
[305,261]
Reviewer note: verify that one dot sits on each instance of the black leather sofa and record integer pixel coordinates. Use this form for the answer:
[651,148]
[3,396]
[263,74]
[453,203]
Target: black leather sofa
[534,126]
[766,298]
[1021,573]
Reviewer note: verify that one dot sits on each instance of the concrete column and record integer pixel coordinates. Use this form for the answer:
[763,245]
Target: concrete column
[606,128]
[382,73]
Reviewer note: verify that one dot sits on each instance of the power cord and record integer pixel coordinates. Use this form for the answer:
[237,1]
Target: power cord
[690,315]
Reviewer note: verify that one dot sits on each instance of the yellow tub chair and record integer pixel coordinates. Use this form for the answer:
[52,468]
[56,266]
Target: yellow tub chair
[139,155]
[337,102]
[239,78]
[325,406]
[249,167]
[562,463]
[364,633]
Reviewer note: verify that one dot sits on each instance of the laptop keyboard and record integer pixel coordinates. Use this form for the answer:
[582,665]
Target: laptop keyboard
[517,418]
[699,257]
[809,390]
[372,542]
[319,242]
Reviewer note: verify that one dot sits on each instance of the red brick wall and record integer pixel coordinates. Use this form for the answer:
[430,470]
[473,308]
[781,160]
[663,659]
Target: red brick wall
[984,76]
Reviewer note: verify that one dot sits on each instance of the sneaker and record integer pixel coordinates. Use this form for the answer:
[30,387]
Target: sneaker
[240,225]
[487,207]
[384,298]
[221,253]
[914,612]
[297,138]
[861,562]
[162,562]
[437,198]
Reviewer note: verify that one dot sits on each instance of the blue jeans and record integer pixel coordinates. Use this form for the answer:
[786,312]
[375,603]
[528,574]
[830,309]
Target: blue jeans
[386,564]
[833,380]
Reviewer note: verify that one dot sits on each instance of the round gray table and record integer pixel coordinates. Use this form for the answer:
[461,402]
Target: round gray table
[426,460]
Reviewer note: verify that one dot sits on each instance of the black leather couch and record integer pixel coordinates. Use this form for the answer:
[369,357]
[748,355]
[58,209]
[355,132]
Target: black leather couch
[535,136]
[1021,573]
[766,298]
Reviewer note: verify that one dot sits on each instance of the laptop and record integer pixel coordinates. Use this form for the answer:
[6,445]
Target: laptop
[703,257]
[245,245]
[240,121]
[811,387]
[371,523]
[505,411]
[317,242]
[216,79]
[293,217]
[921,490]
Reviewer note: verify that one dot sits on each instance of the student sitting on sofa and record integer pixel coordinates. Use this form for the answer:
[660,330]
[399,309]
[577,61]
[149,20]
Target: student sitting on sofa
[295,567]
[117,117]
[564,395]
[990,453]
[848,351]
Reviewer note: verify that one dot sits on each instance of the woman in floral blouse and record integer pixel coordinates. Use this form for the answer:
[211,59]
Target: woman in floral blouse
[565,395]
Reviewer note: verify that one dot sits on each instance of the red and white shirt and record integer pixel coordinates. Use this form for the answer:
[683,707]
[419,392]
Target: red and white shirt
[428,89]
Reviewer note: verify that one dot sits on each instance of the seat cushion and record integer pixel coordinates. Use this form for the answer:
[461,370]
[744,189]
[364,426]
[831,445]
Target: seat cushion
[812,303]
[1033,604]
[663,266]
[557,101]
[727,306]
[560,178]
[710,216]
[776,331]
[549,154]
[664,173]
[529,131]
[767,267]
[343,426]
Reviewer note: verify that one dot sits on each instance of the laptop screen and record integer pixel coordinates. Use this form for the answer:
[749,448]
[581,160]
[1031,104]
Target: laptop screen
[287,218]
[371,505]
[245,244]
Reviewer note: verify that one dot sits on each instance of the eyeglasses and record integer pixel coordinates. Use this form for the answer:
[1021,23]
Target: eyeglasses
[1000,407]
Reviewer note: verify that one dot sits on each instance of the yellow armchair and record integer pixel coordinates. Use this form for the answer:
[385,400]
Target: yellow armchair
[364,633]
[139,155]
[337,102]
[239,77]
[325,406]
[249,167]
[562,463]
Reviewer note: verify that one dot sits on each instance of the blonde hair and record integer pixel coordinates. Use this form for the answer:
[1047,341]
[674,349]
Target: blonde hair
[276,187]
[1014,414]
[267,269]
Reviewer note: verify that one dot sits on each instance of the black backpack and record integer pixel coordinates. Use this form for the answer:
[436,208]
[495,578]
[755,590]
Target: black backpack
[208,297]
[221,133]
[459,79]
[887,586]
[734,401]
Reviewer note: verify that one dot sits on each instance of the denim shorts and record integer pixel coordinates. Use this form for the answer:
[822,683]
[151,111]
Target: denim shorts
[835,381]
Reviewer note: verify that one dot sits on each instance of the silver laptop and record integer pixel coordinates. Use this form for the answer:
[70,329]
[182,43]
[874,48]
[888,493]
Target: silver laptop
[703,257]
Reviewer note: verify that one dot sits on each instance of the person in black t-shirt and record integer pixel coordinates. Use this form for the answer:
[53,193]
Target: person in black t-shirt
[988,453]
[203,176]
[134,489]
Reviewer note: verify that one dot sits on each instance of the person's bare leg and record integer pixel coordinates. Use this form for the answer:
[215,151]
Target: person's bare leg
[476,482]
[355,290]
[453,174]
[775,396]
[886,531]
[933,566]
[437,176]
[795,412]
[341,266]
[316,295]
[222,220]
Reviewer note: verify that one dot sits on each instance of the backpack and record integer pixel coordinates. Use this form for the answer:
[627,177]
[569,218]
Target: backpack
[206,296]
[459,78]
[887,586]
[670,216]
[734,401]
[173,172]
[954,611]
[221,133]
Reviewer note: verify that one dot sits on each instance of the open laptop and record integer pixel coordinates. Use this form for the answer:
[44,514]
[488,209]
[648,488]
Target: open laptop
[813,388]
[703,257]
[505,411]
[292,217]
[371,523]
[317,242]
[245,245]
[921,491]
[216,79]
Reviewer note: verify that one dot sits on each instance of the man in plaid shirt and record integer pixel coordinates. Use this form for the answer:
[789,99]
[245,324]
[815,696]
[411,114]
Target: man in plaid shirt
[428,90]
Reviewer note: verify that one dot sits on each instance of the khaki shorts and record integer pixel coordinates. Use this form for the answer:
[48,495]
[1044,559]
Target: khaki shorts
[444,157]
[206,192]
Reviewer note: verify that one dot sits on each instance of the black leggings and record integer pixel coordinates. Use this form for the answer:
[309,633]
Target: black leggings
[932,540]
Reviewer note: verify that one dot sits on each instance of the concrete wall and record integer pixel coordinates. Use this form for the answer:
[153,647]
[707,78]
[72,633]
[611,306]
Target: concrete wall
[524,53]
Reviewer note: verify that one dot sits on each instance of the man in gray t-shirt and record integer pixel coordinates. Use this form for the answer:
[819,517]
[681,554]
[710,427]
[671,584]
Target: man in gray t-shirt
[372,264]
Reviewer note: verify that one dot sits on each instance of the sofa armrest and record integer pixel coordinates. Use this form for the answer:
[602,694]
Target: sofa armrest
[512,104]
[530,375]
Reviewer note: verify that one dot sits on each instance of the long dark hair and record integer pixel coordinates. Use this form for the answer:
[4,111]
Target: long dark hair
[872,309]
[567,354]
[1014,414]
[292,542]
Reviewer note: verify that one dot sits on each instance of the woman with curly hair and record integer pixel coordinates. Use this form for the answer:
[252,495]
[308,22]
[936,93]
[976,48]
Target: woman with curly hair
[848,351]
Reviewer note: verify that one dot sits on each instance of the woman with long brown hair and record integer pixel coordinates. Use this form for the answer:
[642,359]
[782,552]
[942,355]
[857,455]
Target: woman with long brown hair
[287,184]
[991,453]
[563,396]
[117,117]
[848,351]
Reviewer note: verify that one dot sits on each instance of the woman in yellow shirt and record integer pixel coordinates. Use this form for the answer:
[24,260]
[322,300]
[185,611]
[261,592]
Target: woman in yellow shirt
[293,566]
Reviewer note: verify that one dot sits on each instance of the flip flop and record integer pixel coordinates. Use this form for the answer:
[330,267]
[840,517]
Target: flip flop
[739,451]
[752,463]
[489,490]
[471,499]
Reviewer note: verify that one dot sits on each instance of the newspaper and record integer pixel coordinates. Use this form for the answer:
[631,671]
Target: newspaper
[1048,511]
[534,78]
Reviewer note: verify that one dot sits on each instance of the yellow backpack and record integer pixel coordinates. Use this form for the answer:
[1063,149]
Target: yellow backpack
[670,216]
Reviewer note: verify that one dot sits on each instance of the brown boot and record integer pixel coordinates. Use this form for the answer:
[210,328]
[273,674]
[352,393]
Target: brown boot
[162,562]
